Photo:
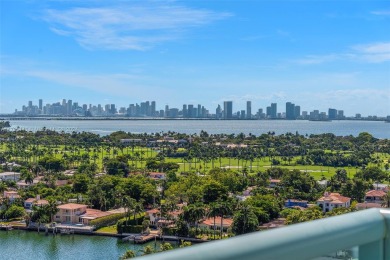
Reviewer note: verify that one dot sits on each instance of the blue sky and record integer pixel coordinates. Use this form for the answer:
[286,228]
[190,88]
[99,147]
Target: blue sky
[317,54]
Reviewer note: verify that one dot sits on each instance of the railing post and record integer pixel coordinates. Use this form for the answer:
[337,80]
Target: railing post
[386,243]
[372,251]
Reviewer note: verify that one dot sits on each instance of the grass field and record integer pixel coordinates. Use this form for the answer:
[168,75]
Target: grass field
[139,156]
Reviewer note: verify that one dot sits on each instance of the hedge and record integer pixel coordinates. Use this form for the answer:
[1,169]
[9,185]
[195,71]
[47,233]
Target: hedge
[107,220]
[137,221]
[121,228]
[132,225]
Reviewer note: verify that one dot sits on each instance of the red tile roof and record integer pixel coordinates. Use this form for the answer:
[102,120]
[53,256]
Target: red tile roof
[375,193]
[95,213]
[210,221]
[334,198]
[152,211]
[71,206]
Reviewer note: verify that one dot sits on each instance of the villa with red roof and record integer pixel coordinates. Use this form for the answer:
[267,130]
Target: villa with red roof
[375,196]
[209,223]
[333,200]
[73,213]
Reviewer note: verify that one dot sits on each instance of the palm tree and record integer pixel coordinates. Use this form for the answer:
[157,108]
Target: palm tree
[41,215]
[225,208]
[138,208]
[214,212]
[51,209]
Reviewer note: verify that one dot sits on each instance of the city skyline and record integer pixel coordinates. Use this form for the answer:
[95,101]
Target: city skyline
[151,109]
[316,54]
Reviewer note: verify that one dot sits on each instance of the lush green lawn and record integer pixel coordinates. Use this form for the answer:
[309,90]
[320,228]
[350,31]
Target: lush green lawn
[109,229]
[141,154]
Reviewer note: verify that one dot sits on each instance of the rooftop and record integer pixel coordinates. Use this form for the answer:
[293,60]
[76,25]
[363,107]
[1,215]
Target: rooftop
[71,206]
[376,193]
[334,198]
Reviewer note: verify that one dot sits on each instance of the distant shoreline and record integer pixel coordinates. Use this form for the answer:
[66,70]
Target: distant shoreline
[10,117]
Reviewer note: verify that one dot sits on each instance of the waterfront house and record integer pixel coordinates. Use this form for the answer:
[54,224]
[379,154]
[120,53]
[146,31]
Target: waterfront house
[210,224]
[153,216]
[30,202]
[73,213]
[11,195]
[333,200]
[70,213]
[290,203]
[374,196]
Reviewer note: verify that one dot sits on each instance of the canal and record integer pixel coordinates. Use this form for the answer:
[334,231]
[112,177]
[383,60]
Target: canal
[17,244]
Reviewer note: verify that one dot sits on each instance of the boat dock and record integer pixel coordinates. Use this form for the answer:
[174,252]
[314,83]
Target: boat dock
[6,227]
[140,239]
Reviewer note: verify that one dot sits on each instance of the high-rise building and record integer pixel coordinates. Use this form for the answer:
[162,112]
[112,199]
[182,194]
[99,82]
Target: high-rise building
[332,113]
[69,109]
[274,110]
[340,114]
[199,111]
[297,111]
[40,104]
[249,109]
[113,109]
[190,111]
[166,110]
[218,111]
[153,108]
[228,109]
[290,111]
[268,112]
[185,111]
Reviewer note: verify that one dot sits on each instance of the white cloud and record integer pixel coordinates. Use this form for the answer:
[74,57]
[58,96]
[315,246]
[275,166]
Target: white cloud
[374,52]
[371,53]
[128,27]
[381,12]
[317,59]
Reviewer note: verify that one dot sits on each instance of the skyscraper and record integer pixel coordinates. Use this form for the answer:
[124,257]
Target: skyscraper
[190,111]
[40,104]
[153,108]
[249,109]
[297,111]
[184,111]
[69,109]
[274,110]
[290,111]
[228,109]
[332,113]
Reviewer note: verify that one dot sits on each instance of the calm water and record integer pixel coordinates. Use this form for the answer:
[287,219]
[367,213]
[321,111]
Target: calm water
[378,129]
[20,245]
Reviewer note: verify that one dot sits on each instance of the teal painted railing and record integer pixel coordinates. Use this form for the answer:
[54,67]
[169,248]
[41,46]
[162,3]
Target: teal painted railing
[369,230]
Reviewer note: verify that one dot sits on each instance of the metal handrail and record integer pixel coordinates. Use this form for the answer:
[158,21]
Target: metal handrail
[367,229]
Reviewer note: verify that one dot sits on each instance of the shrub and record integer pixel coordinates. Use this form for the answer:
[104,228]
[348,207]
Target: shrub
[107,220]
[14,212]
[121,228]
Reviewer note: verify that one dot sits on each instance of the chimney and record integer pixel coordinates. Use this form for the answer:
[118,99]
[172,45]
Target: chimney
[38,197]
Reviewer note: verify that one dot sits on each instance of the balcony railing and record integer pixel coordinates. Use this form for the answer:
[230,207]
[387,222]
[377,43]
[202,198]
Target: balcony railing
[368,230]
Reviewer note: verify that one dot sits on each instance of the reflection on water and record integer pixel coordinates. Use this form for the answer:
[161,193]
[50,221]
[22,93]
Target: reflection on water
[18,245]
